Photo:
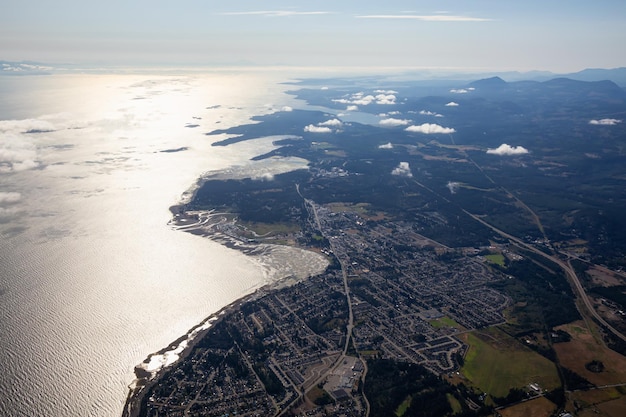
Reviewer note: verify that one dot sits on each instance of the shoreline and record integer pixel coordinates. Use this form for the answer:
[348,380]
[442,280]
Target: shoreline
[145,379]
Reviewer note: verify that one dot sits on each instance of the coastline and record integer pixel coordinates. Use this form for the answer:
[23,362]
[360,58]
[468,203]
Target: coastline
[182,346]
[144,379]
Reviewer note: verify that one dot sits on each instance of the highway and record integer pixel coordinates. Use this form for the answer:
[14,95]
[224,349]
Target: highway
[311,204]
[567,268]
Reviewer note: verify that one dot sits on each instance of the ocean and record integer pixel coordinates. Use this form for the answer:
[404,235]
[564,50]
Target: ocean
[92,277]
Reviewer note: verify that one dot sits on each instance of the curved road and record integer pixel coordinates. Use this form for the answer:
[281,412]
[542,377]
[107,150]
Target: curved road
[567,267]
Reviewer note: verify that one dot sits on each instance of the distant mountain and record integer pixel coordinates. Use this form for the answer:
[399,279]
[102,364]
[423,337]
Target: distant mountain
[617,75]
[601,85]
[490,84]
[553,93]
[571,89]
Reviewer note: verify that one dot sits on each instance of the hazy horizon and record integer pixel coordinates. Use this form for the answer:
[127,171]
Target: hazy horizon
[477,35]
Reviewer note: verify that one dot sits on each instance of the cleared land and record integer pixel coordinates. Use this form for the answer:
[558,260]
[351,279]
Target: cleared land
[539,407]
[595,397]
[270,229]
[445,322]
[495,363]
[613,408]
[495,258]
[584,348]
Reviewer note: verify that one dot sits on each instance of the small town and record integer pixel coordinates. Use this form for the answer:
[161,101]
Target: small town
[302,350]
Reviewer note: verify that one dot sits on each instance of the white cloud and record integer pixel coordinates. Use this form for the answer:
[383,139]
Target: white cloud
[387,145]
[331,122]
[453,186]
[505,149]
[357,98]
[394,122]
[429,128]
[317,129]
[364,101]
[17,158]
[9,197]
[605,122]
[273,13]
[428,18]
[452,104]
[459,91]
[26,125]
[352,108]
[430,113]
[324,88]
[385,99]
[287,108]
[324,127]
[8,214]
[402,170]
[385,92]
[393,113]
[17,150]
[24,165]
[361,99]
[266,176]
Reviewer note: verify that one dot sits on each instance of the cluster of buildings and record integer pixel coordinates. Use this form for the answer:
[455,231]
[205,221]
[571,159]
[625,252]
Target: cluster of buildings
[286,353]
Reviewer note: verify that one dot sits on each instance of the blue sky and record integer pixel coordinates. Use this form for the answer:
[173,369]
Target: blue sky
[565,35]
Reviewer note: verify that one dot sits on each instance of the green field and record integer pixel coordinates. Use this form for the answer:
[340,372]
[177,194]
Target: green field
[495,258]
[270,229]
[457,408]
[360,208]
[403,407]
[495,363]
[444,322]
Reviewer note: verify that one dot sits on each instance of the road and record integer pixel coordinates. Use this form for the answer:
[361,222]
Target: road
[344,273]
[567,268]
[350,325]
